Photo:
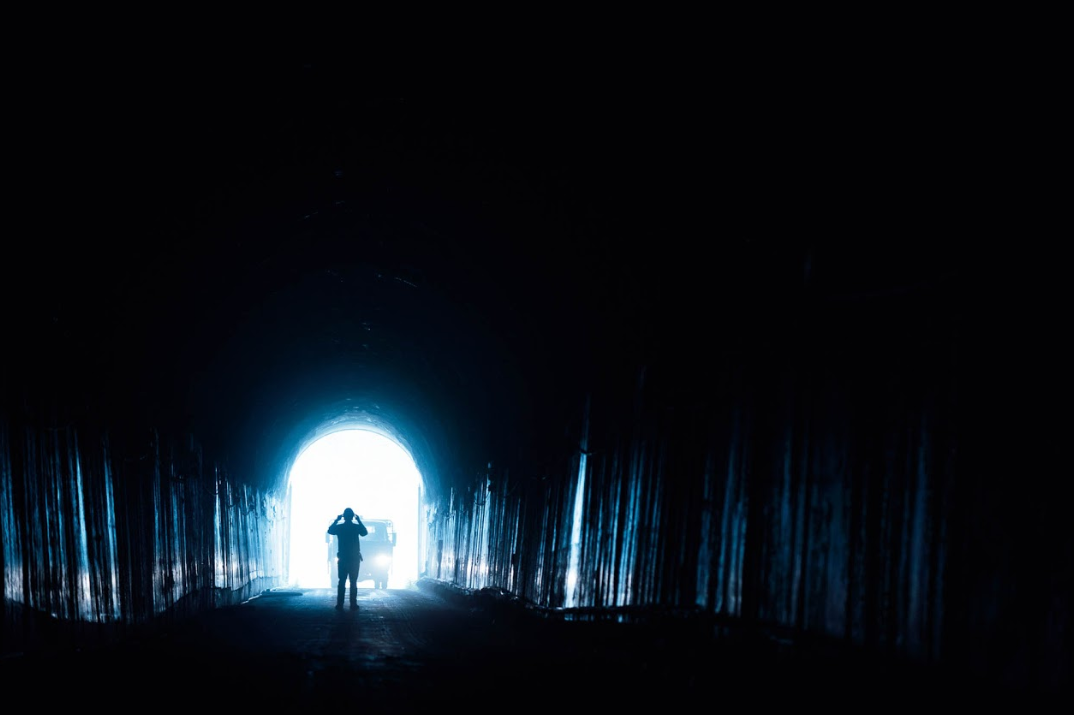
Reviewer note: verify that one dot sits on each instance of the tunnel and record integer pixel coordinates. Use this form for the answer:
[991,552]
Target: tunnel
[655,357]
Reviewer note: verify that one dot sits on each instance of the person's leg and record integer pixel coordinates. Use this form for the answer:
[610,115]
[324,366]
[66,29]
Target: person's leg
[340,586]
[354,588]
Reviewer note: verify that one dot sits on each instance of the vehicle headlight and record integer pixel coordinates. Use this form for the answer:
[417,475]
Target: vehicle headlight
[383,559]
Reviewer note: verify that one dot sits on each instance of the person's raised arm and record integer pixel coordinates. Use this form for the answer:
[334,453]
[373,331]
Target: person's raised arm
[332,526]
[361,527]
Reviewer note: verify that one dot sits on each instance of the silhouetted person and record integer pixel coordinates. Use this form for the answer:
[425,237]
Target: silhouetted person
[347,528]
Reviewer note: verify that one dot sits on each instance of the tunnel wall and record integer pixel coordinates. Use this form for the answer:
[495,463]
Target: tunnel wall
[806,500]
[109,531]
[811,490]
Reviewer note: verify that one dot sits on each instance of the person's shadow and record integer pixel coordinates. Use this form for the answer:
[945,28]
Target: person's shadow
[345,635]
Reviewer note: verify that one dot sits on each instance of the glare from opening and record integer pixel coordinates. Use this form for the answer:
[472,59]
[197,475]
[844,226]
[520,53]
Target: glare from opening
[367,472]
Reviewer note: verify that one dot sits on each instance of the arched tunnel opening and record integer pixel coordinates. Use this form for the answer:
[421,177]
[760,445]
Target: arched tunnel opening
[639,371]
[376,477]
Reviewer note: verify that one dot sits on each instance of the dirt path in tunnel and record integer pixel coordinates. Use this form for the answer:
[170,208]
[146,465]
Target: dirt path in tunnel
[410,648]
[402,647]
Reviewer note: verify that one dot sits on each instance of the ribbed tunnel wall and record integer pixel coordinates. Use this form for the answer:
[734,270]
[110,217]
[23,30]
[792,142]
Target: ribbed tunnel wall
[799,493]
[106,530]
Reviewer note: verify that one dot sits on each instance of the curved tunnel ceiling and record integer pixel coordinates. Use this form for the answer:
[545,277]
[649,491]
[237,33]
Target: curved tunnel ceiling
[254,251]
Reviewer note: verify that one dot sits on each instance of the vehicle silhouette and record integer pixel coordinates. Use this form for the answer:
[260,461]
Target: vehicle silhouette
[378,553]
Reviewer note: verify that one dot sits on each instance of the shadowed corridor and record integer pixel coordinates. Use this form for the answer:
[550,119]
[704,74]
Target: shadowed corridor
[722,400]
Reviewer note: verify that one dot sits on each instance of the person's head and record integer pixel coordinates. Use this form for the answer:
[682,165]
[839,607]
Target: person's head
[348,513]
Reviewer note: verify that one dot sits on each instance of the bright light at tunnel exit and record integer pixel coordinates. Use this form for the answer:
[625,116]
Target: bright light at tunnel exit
[362,470]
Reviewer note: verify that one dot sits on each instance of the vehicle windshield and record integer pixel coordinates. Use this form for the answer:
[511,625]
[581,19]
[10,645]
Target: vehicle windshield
[378,530]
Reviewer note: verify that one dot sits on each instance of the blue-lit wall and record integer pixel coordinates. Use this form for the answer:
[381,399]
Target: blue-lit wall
[104,531]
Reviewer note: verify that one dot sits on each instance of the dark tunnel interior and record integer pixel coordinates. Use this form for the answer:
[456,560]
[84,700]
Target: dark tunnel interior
[779,313]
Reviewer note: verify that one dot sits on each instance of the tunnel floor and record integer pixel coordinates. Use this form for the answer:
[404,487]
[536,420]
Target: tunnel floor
[429,646]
